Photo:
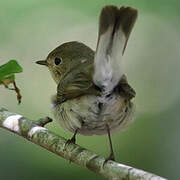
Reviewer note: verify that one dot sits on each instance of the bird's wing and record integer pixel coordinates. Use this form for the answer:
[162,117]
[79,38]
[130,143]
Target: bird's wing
[124,89]
[75,85]
[115,26]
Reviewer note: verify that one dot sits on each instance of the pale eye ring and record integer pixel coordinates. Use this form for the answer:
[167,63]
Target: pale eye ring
[57,61]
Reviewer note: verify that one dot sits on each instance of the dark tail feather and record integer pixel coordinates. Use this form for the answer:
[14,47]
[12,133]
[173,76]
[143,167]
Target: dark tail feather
[115,26]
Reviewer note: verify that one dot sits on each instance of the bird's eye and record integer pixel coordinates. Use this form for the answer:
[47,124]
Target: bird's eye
[57,61]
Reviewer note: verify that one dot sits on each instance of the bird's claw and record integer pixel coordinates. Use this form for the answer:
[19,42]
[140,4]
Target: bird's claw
[111,157]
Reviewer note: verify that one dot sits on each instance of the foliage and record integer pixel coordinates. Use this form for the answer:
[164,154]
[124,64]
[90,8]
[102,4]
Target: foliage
[7,76]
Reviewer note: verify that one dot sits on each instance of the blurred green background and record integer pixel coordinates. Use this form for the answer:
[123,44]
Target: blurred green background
[29,30]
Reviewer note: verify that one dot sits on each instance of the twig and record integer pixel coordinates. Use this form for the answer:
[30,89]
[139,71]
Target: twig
[34,132]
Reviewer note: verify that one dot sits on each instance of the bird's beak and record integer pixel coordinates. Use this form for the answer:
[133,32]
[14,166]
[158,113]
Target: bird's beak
[42,62]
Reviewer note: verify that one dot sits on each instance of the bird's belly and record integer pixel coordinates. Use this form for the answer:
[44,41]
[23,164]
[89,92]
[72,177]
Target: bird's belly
[91,114]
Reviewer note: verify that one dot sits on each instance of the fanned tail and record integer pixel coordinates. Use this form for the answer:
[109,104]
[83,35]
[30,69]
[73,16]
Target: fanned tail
[115,26]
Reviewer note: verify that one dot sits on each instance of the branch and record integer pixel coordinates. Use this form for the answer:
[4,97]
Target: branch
[36,133]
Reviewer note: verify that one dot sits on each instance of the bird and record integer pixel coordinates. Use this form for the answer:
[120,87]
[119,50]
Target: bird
[93,95]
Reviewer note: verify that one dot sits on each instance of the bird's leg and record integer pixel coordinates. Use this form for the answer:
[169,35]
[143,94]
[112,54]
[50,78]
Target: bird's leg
[73,139]
[111,156]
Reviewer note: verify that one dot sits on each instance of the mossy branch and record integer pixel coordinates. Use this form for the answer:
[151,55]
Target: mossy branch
[36,133]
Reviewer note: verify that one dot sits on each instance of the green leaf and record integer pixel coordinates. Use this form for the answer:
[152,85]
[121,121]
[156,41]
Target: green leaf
[6,78]
[9,68]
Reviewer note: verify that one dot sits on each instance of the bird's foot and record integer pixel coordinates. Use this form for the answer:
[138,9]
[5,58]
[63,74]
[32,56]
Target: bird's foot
[69,141]
[111,157]
[72,140]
